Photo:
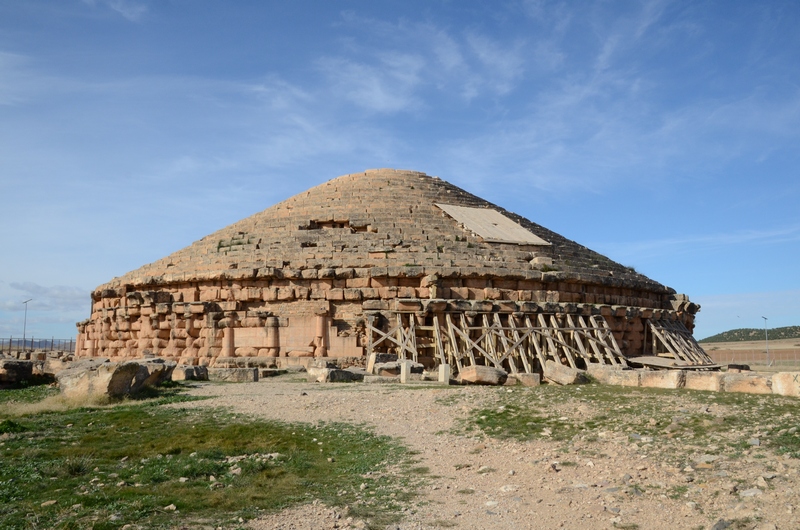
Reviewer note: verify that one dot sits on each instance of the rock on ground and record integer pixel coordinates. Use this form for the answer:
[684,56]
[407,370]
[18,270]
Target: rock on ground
[482,375]
[100,377]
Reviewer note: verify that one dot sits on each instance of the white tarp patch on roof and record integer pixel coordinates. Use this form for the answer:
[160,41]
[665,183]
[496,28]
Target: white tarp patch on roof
[491,225]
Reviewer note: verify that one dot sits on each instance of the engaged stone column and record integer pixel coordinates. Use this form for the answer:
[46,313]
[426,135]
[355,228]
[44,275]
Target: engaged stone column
[322,325]
[228,348]
[273,336]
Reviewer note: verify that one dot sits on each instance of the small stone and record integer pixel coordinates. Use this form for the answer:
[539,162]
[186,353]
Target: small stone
[707,459]
[752,492]
[212,478]
[512,472]
[183,479]
[236,470]
[755,442]
[170,508]
[331,459]
[491,504]
[508,488]
[761,483]
[48,503]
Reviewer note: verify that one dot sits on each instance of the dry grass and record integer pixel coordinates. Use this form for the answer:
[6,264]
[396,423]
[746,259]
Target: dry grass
[56,403]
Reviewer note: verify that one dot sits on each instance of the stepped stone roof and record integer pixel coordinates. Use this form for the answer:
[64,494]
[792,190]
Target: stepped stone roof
[384,222]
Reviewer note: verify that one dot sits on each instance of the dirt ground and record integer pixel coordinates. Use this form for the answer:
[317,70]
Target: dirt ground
[616,479]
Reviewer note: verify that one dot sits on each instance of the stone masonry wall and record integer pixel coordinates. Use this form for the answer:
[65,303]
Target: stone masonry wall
[323,316]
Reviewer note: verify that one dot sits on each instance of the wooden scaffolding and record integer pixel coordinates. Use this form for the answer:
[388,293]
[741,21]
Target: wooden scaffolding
[515,342]
[672,340]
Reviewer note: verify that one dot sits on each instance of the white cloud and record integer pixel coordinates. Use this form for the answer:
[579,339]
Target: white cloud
[502,65]
[130,9]
[685,245]
[45,298]
[386,87]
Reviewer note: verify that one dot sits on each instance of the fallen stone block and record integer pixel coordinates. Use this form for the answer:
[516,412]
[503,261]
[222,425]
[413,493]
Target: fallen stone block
[662,378]
[233,375]
[357,370]
[151,372]
[336,375]
[273,372]
[393,368]
[736,368]
[611,375]
[99,377]
[709,381]
[381,379]
[332,375]
[53,366]
[14,371]
[482,375]
[786,384]
[529,379]
[564,375]
[747,383]
[190,373]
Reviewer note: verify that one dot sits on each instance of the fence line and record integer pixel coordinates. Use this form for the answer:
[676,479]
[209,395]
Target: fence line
[52,344]
[778,358]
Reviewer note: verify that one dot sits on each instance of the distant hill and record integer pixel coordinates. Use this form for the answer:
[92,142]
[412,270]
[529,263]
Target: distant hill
[745,334]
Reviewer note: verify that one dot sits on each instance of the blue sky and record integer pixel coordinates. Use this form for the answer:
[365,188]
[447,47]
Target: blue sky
[665,135]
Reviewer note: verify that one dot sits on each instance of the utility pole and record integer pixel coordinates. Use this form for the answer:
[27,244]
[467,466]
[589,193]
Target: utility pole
[766,339]
[25,322]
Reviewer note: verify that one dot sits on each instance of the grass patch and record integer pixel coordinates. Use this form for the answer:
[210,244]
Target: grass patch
[677,424]
[114,465]
[28,394]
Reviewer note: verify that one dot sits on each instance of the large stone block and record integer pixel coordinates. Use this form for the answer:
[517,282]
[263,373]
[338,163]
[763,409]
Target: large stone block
[482,375]
[662,379]
[190,373]
[333,375]
[564,375]
[233,375]
[710,381]
[786,384]
[99,377]
[529,379]
[747,383]
[15,371]
[611,375]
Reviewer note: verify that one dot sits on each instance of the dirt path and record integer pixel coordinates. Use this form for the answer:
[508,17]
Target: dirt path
[482,483]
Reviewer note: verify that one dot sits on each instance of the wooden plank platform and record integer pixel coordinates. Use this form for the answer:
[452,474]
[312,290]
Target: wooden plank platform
[670,364]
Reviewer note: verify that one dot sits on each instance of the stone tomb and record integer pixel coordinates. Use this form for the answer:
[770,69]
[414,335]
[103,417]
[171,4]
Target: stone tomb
[389,262]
